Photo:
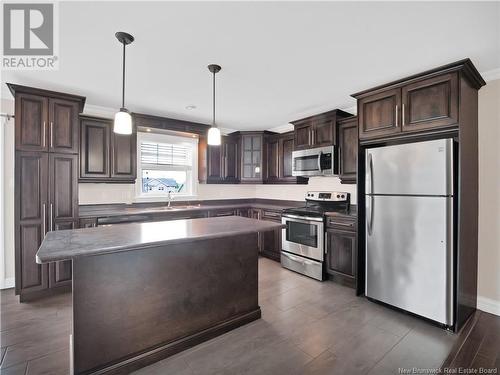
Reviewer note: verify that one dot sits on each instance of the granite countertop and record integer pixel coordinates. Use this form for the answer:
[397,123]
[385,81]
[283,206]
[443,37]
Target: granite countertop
[120,210]
[73,243]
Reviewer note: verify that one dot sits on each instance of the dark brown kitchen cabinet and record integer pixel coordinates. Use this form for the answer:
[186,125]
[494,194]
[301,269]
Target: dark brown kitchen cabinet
[252,156]
[123,157]
[425,102]
[341,249]
[31,213]
[104,155]
[87,222]
[47,200]
[94,150]
[430,103]
[223,161]
[272,159]
[279,161]
[318,130]
[379,114]
[348,150]
[270,241]
[46,120]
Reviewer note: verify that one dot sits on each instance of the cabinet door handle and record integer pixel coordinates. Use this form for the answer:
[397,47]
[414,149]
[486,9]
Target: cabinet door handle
[51,218]
[326,243]
[43,134]
[403,115]
[44,220]
[51,134]
[397,116]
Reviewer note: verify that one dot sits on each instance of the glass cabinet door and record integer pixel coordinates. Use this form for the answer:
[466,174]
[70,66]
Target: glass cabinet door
[252,155]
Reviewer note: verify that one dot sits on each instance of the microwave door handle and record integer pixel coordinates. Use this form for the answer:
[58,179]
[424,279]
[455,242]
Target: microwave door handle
[319,161]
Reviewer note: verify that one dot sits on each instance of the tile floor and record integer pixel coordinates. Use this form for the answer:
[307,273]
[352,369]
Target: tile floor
[307,327]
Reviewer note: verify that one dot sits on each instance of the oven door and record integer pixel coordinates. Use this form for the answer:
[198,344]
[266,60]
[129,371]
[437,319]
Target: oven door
[303,236]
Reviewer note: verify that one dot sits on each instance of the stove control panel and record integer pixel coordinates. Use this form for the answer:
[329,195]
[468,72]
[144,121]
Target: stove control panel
[328,196]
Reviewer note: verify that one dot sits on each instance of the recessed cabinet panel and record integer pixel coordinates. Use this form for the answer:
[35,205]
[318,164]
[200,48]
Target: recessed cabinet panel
[251,159]
[214,156]
[94,150]
[32,184]
[430,103]
[124,156]
[379,114]
[273,167]
[31,122]
[324,133]
[348,149]
[63,126]
[303,136]
[60,273]
[33,276]
[63,187]
[341,252]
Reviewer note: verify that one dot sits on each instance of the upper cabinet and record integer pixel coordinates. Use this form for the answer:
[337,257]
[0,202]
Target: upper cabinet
[252,156]
[348,149]
[425,102]
[104,155]
[46,121]
[278,166]
[223,161]
[318,130]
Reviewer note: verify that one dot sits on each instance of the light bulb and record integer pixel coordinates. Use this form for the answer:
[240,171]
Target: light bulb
[214,136]
[123,122]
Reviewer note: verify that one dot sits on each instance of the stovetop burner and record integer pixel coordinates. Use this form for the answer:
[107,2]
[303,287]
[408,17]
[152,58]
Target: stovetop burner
[317,203]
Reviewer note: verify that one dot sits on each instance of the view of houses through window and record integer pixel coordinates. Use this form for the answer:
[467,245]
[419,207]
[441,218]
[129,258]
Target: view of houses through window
[166,164]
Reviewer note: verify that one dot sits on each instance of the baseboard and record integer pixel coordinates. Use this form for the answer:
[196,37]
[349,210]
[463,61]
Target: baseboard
[488,305]
[7,283]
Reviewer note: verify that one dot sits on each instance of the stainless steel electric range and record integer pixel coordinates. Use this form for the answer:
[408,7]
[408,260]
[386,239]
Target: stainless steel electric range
[303,240]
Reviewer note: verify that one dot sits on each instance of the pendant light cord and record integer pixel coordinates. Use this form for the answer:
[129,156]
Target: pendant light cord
[213,118]
[123,78]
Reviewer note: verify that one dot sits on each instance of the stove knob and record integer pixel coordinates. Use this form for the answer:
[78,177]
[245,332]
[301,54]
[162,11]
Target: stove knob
[338,196]
[343,196]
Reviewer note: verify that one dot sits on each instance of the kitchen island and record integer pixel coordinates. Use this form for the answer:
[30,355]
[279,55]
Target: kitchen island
[145,291]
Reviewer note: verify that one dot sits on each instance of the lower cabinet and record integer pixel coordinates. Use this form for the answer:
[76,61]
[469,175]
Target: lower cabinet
[270,242]
[341,255]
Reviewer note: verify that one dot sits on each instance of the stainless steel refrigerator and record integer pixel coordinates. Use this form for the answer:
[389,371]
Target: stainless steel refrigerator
[409,227]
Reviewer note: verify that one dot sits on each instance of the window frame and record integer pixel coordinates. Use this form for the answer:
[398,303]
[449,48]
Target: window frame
[191,181]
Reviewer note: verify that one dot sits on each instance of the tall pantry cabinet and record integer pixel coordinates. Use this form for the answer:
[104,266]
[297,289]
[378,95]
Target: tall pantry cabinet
[46,183]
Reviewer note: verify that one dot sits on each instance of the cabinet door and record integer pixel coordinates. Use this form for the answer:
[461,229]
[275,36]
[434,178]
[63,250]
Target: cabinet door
[63,172]
[31,122]
[379,115]
[341,248]
[214,164]
[31,212]
[60,273]
[272,158]
[124,157]
[348,150]
[271,244]
[303,136]
[430,103]
[94,150]
[286,158]
[89,222]
[251,157]
[323,133]
[63,126]
[230,160]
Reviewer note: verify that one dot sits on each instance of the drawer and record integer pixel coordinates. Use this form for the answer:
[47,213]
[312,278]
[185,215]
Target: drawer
[271,215]
[342,222]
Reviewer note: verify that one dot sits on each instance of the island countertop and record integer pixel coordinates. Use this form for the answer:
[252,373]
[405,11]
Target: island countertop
[69,244]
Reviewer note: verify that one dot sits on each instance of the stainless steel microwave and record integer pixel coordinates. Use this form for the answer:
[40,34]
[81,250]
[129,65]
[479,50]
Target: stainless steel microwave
[321,161]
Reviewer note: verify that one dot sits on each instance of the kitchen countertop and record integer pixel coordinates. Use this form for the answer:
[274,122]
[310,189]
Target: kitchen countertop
[73,243]
[92,211]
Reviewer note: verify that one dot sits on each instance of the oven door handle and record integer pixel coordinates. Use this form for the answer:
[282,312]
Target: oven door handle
[298,259]
[302,218]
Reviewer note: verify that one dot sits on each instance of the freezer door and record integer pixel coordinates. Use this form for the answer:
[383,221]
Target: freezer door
[409,254]
[421,168]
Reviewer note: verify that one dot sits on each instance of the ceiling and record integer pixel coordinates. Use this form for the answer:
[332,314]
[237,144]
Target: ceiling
[280,61]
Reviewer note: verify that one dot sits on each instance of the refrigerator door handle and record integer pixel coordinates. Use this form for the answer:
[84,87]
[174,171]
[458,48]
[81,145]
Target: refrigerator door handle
[369,215]
[369,203]
[369,174]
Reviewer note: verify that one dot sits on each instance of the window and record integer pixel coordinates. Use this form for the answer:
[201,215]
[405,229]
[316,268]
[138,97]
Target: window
[166,163]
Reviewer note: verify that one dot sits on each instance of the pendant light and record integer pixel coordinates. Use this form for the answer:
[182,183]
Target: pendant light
[214,132]
[123,120]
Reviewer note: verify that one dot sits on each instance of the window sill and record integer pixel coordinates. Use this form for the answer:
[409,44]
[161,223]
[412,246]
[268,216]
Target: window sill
[162,198]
